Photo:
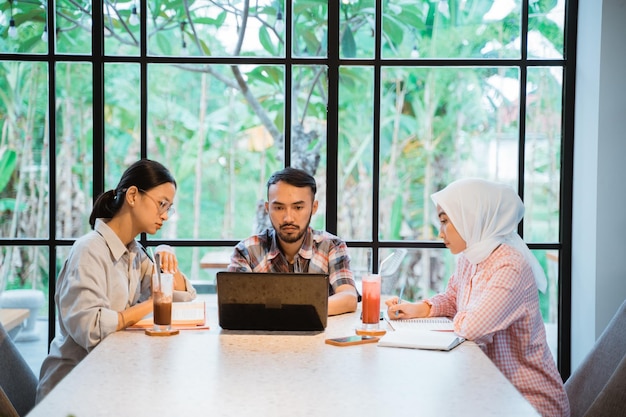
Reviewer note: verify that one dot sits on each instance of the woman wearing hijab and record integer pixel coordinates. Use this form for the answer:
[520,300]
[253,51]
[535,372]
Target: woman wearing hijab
[492,295]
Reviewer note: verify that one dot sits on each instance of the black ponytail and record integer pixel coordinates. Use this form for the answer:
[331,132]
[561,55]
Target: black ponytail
[144,174]
[106,205]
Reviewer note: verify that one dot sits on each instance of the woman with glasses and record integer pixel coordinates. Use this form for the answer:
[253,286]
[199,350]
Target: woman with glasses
[104,285]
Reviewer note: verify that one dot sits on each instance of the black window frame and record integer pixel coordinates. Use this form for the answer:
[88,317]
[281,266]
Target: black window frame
[334,62]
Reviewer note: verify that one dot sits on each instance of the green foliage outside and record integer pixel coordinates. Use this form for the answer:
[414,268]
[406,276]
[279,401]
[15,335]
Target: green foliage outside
[219,122]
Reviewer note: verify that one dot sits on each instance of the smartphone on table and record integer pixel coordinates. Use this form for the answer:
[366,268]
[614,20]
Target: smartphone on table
[351,340]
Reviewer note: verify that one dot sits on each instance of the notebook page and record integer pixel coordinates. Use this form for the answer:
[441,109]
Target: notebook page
[427,323]
[420,339]
[188,312]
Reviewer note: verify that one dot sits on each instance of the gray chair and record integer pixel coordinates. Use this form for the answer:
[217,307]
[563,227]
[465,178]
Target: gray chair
[390,271]
[18,383]
[598,386]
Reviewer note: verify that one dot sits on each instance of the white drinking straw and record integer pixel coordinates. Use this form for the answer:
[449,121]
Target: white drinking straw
[380,267]
[156,265]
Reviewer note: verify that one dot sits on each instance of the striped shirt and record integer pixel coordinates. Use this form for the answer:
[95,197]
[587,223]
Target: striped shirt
[495,304]
[321,253]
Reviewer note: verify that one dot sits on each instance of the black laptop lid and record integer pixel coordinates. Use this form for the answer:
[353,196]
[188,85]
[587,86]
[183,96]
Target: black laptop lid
[272,301]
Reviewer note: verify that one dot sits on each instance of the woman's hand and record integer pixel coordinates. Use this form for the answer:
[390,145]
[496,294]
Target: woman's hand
[393,301]
[169,263]
[398,309]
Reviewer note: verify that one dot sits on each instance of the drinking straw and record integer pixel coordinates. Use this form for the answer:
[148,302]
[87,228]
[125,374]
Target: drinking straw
[380,267]
[156,261]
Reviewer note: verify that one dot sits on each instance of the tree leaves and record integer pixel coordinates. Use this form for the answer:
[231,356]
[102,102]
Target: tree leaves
[348,45]
[8,161]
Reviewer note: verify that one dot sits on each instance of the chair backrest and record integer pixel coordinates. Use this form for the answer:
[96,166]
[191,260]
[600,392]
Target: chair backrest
[18,383]
[390,270]
[597,386]
[612,399]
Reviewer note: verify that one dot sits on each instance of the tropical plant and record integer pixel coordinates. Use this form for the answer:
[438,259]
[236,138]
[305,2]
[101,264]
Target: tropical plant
[218,77]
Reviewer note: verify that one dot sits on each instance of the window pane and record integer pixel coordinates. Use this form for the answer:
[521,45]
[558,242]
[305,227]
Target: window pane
[451,29]
[360,259]
[24,281]
[122,107]
[308,134]
[393,270]
[24,162]
[22,27]
[422,273]
[200,28]
[416,274]
[74,156]
[220,145]
[439,125]
[121,28]
[310,28]
[24,267]
[73,20]
[543,154]
[204,264]
[546,21]
[355,176]
[357,30]
[549,301]
[123,121]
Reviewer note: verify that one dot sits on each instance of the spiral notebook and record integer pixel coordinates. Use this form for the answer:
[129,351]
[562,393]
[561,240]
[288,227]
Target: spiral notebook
[430,323]
[188,315]
[433,333]
[421,339]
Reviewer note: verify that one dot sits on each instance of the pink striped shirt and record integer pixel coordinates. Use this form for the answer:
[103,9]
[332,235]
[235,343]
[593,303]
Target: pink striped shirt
[496,305]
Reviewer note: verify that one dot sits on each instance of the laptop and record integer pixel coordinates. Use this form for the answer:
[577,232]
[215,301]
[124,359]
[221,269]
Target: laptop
[272,301]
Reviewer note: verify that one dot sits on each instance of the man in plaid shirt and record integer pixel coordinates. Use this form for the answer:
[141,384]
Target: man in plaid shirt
[291,245]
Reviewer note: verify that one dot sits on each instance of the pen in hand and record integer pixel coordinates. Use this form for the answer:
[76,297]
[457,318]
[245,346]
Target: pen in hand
[399,301]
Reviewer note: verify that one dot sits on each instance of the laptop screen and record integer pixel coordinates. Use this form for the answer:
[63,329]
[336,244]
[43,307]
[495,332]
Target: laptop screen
[272,301]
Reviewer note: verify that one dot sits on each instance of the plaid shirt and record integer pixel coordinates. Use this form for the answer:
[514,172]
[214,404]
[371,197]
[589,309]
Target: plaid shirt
[495,304]
[321,252]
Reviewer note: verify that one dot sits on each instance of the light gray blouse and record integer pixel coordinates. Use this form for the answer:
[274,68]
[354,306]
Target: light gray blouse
[100,278]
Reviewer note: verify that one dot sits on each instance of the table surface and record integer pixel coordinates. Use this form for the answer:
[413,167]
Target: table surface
[227,373]
[13,317]
[215,260]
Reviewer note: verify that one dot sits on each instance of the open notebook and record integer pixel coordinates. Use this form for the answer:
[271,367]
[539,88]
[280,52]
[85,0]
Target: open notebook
[189,315]
[421,339]
[433,333]
[430,323]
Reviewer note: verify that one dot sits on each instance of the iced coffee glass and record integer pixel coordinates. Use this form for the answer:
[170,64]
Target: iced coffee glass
[370,303]
[162,292]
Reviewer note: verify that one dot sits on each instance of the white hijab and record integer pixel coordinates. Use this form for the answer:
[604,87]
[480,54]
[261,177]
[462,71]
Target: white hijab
[486,214]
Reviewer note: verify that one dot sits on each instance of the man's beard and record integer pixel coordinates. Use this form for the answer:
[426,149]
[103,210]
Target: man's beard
[292,238]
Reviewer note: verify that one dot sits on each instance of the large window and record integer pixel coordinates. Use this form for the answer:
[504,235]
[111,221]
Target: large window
[383,102]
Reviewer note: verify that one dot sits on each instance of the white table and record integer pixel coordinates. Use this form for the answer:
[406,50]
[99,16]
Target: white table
[13,317]
[221,373]
[216,260]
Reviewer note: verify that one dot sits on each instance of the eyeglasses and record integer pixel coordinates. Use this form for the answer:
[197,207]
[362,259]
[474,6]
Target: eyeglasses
[162,206]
